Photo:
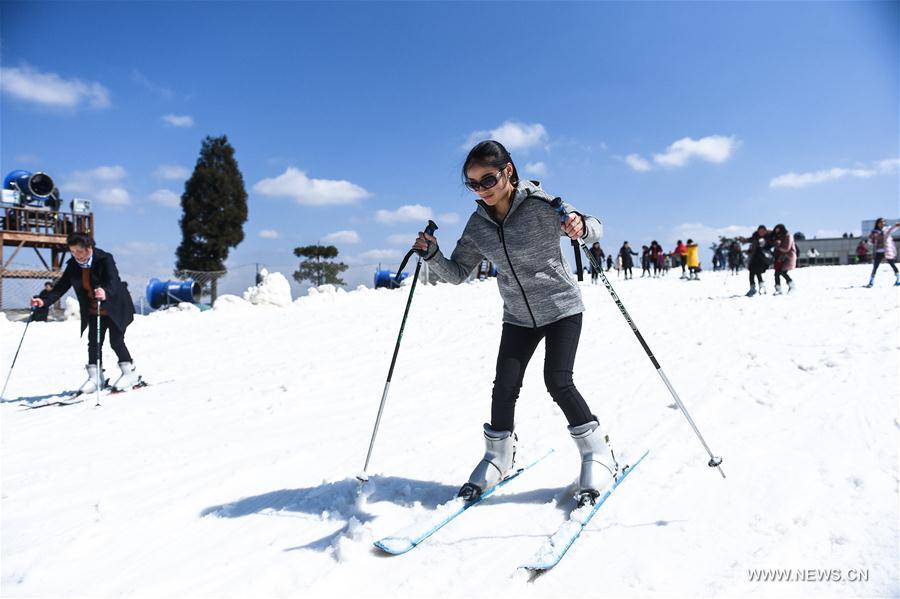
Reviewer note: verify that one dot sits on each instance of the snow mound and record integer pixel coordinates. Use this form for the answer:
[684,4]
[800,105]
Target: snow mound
[274,290]
[230,303]
[72,310]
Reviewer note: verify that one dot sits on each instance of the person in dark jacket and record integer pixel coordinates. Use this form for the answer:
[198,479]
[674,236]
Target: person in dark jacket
[41,314]
[761,254]
[515,226]
[599,255]
[625,252]
[91,273]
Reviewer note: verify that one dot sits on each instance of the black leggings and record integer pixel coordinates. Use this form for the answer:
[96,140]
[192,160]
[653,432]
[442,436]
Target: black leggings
[116,339]
[779,274]
[517,345]
[879,256]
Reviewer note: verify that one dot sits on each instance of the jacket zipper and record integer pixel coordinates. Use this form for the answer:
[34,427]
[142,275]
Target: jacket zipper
[513,270]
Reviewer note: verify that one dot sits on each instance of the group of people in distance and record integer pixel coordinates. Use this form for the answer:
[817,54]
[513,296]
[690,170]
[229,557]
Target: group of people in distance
[653,258]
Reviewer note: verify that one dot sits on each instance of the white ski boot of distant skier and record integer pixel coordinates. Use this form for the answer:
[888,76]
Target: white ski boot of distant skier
[777,290]
[762,288]
[598,464]
[791,286]
[90,385]
[128,379]
[499,458]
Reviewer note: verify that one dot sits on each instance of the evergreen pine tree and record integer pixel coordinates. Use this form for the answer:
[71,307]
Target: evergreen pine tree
[214,210]
[317,267]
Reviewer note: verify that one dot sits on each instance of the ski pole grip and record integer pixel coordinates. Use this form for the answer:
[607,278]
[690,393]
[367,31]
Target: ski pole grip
[557,205]
[431,228]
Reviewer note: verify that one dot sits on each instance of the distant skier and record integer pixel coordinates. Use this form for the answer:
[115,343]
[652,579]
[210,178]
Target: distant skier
[884,249]
[645,261]
[655,253]
[41,314]
[761,254]
[734,256]
[625,254]
[681,251]
[609,262]
[517,229]
[785,257]
[92,274]
[693,260]
[597,253]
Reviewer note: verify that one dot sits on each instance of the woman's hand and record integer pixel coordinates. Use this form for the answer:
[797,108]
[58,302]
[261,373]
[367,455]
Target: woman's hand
[423,241]
[574,226]
[37,302]
[99,294]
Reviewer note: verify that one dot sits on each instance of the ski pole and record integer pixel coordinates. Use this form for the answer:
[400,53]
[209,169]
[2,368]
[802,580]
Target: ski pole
[27,322]
[99,357]
[714,461]
[430,229]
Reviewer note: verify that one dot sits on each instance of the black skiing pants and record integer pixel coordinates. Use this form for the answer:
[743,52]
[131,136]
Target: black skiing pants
[779,274]
[116,339]
[876,262]
[517,345]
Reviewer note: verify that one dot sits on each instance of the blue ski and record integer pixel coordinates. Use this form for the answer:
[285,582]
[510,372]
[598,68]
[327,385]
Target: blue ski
[408,537]
[555,547]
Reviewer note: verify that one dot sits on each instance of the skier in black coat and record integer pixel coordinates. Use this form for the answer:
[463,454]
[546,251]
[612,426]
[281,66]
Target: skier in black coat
[41,314]
[625,252]
[92,274]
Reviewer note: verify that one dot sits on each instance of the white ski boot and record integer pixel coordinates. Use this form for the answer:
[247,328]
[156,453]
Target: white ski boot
[777,290]
[90,385]
[129,378]
[791,286]
[499,458]
[598,464]
[762,288]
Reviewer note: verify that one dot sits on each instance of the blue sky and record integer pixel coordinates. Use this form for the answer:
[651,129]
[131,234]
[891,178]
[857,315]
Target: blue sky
[350,120]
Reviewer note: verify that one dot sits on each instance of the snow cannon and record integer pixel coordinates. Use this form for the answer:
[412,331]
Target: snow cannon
[386,278]
[164,293]
[26,187]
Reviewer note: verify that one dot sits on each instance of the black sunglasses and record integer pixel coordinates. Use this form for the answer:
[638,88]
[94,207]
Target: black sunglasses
[486,182]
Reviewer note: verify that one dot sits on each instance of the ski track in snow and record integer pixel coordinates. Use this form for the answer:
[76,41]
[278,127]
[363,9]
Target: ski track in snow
[238,479]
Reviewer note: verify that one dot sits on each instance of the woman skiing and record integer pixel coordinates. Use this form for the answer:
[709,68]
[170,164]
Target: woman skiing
[785,257]
[693,259]
[597,253]
[761,256]
[884,249]
[681,251]
[625,254]
[92,274]
[516,228]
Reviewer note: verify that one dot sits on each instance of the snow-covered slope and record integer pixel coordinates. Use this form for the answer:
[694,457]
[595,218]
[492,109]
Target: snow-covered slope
[233,474]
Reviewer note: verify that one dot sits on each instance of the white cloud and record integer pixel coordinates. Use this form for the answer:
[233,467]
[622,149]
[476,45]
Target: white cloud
[512,134]
[799,180]
[102,184]
[140,248]
[406,239]
[637,163]
[165,197]
[450,218]
[404,214]
[172,172]
[269,234]
[342,237]
[178,120]
[714,148]
[294,184]
[375,256]
[704,235]
[536,168]
[49,89]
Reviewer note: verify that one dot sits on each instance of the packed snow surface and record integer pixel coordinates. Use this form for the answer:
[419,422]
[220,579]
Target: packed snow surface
[234,473]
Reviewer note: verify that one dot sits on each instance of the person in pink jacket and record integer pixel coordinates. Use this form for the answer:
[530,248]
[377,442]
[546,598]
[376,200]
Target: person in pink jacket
[884,249]
[785,257]
[681,251]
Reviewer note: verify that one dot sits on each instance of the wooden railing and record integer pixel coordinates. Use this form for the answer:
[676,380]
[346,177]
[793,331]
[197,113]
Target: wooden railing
[45,222]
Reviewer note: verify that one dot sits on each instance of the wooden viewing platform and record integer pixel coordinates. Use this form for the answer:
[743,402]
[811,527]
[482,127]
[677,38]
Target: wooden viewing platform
[39,229]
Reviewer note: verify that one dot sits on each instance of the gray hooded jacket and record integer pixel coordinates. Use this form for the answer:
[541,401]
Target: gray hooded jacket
[535,281]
